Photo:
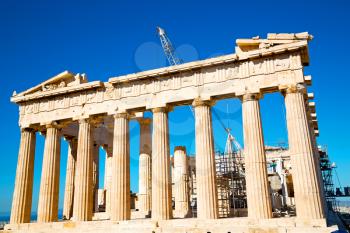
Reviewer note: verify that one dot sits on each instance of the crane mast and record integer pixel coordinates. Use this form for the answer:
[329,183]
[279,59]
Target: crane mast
[169,51]
[168,47]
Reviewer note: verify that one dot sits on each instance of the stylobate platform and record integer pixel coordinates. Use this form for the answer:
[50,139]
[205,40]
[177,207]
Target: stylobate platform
[190,225]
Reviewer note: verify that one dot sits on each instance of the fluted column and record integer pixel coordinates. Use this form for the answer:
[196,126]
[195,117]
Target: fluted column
[108,176]
[70,176]
[308,198]
[181,182]
[83,194]
[161,180]
[207,200]
[316,156]
[144,196]
[258,191]
[22,196]
[120,190]
[50,175]
[95,176]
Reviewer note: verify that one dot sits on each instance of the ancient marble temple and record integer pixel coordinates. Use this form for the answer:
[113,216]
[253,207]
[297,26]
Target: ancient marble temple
[90,115]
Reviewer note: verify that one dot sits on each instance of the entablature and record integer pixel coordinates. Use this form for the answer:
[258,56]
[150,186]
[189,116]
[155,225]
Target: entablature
[256,71]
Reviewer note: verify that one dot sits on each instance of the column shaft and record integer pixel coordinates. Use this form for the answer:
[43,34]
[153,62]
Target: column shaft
[161,180]
[207,200]
[70,176]
[83,178]
[144,196]
[317,161]
[120,190]
[22,196]
[308,198]
[258,191]
[108,177]
[50,174]
[95,182]
[181,182]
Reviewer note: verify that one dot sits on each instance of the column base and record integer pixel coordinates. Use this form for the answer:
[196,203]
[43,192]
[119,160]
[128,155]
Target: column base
[141,214]
[181,214]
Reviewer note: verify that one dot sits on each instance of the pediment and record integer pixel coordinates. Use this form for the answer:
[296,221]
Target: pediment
[64,79]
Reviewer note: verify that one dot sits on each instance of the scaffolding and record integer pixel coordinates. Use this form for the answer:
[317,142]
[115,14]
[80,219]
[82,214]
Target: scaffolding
[231,183]
[327,176]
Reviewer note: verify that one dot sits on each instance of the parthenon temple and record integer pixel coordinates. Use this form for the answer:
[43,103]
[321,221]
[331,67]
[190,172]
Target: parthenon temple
[179,193]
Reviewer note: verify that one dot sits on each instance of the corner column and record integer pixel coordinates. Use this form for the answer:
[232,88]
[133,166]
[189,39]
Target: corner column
[70,176]
[258,190]
[307,190]
[145,166]
[49,185]
[120,189]
[207,199]
[83,181]
[313,126]
[22,196]
[161,179]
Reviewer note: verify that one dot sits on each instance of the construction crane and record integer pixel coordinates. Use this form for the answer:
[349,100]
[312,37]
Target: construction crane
[168,48]
[232,144]
[169,51]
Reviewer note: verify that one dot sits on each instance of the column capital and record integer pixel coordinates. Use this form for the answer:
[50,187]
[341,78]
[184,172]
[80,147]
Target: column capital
[182,148]
[144,121]
[28,129]
[94,120]
[162,109]
[200,102]
[54,124]
[50,125]
[251,96]
[124,115]
[295,88]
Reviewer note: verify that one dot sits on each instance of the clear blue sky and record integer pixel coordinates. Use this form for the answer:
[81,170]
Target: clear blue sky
[39,39]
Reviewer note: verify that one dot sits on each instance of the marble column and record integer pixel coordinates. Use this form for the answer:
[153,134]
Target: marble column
[258,190]
[144,196]
[207,199]
[316,155]
[50,176]
[22,196]
[70,176]
[83,194]
[181,182]
[95,176]
[108,176]
[307,190]
[161,179]
[120,189]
